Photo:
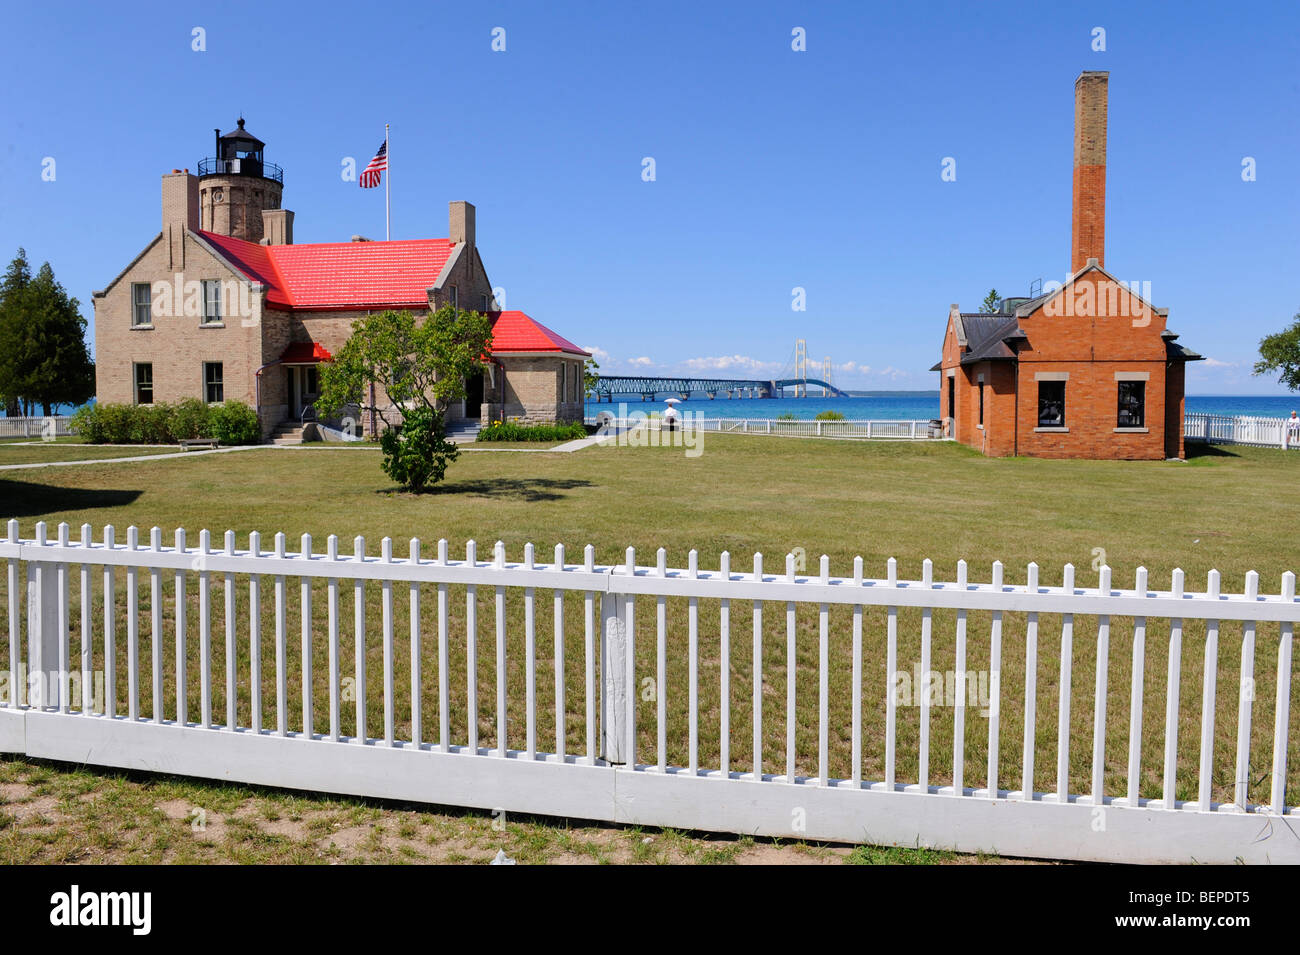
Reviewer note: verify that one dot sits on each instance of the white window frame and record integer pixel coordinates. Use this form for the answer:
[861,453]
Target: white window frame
[211,316]
[136,305]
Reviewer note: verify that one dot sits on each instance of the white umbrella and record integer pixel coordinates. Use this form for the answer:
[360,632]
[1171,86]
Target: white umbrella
[672,401]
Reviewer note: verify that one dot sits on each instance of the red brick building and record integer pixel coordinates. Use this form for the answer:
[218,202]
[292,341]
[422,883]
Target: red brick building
[1088,369]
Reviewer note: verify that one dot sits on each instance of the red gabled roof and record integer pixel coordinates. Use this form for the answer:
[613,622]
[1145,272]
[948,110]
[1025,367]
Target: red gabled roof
[340,274]
[516,332]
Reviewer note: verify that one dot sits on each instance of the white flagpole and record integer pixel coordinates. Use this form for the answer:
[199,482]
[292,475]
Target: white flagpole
[388,219]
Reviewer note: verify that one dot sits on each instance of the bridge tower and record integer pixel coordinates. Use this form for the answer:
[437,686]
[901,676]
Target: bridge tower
[801,367]
[826,375]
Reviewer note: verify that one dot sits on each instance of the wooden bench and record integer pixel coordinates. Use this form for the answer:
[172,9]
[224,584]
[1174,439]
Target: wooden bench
[189,444]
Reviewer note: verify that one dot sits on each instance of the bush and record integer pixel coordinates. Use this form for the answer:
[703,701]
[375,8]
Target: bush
[191,418]
[509,431]
[787,416]
[829,416]
[231,423]
[235,423]
[417,452]
[87,422]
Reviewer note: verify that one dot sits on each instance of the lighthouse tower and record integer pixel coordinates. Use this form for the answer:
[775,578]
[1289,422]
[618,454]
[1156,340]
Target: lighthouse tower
[239,191]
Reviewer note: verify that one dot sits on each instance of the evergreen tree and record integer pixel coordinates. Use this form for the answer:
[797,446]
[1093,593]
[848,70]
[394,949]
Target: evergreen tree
[16,279]
[43,355]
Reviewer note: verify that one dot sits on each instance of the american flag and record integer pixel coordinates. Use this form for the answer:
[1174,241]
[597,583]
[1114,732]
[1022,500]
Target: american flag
[372,175]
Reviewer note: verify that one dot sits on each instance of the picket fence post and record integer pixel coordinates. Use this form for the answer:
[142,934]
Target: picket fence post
[42,630]
[613,677]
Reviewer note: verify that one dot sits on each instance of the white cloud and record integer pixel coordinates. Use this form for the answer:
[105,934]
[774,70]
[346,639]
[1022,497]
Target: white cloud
[1215,363]
[731,363]
[642,362]
[597,353]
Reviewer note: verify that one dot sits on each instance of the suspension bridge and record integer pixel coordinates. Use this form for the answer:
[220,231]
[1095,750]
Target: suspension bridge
[795,378]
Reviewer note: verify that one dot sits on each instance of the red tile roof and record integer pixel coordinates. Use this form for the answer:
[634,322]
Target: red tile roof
[301,353]
[340,274]
[516,332]
[368,275]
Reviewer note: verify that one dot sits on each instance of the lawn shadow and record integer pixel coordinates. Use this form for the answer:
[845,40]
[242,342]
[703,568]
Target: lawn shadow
[525,489]
[1198,449]
[19,499]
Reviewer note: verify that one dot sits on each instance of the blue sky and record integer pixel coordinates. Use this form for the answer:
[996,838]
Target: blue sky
[774,169]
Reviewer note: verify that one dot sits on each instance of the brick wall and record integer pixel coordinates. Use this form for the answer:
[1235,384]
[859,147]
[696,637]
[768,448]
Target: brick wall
[176,344]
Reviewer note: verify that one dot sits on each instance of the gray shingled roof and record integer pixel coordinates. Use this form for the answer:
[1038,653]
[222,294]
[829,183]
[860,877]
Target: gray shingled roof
[984,336]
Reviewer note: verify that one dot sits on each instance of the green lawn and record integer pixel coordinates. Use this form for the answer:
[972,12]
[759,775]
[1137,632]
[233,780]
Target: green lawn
[1221,509]
[13,452]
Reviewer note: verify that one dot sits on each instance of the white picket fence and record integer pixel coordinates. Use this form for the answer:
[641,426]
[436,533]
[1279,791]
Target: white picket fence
[898,430]
[623,773]
[52,426]
[1240,429]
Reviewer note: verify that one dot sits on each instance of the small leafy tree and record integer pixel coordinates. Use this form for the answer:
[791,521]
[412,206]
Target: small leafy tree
[1280,353]
[991,302]
[590,375]
[419,366]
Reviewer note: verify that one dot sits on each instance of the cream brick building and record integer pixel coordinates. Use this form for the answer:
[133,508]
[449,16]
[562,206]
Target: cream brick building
[222,305]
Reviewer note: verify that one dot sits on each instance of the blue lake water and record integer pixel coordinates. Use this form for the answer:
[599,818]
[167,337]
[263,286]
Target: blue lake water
[904,405]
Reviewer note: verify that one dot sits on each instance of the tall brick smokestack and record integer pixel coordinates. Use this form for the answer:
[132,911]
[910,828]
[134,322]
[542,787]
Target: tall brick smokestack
[1088,221]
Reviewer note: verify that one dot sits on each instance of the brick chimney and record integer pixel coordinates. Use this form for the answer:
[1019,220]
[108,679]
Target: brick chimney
[180,211]
[461,224]
[277,227]
[1088,220]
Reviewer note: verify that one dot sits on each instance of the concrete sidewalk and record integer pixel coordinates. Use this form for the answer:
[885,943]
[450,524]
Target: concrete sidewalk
[138,457]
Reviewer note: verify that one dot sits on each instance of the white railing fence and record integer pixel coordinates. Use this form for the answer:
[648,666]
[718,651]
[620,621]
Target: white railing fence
[1240,429]
[897,430]
[52,426]
[640,698]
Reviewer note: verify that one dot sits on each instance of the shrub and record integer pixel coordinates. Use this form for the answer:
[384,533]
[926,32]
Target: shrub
[191,418]
[88,423]
[161,423]
[235,423]
[829,416]
[509,431]
[787,416]
[417,452]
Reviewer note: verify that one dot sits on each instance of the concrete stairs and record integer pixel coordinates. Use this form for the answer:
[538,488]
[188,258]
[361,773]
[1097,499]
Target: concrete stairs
[287,432]
[463,431]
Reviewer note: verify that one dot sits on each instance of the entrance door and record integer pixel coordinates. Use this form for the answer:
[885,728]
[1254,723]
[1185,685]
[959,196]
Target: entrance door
[474,396]
[303,385]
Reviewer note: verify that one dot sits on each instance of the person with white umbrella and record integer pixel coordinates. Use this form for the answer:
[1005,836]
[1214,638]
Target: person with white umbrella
[672,418]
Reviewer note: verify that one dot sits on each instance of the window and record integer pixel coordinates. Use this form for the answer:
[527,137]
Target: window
[564,381]
[211,302]
[1132,404]
[451,296]
[143,383]
[485,303]
[214,388]
[1051,404]
[141,309]
[981,383]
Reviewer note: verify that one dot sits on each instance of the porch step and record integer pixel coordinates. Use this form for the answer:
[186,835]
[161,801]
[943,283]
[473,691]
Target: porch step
[463,432]
[287,433]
